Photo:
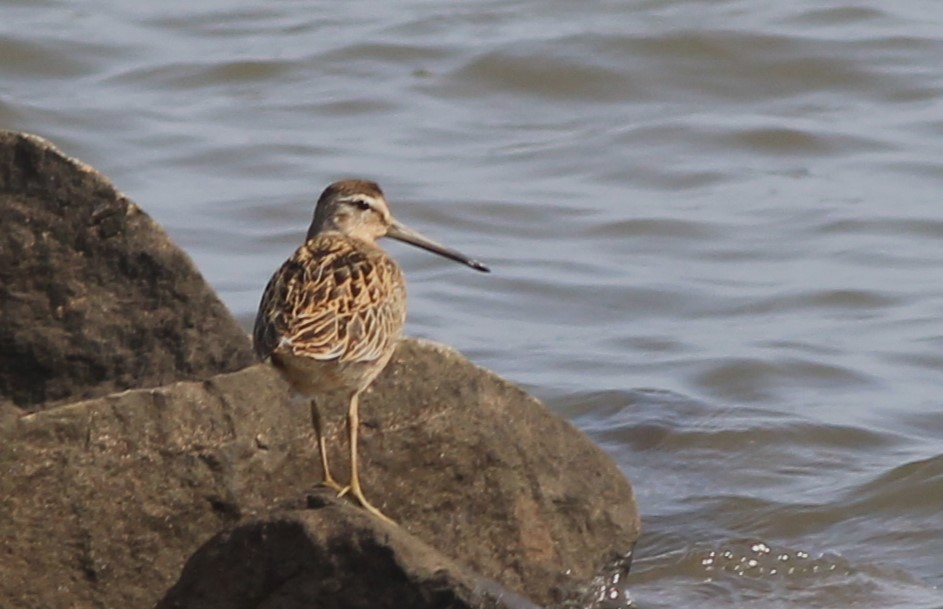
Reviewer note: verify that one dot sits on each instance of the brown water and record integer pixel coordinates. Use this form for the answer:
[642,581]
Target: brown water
[716,230]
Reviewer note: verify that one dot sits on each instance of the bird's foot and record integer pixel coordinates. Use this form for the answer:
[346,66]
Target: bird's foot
[370,507]
[332,484]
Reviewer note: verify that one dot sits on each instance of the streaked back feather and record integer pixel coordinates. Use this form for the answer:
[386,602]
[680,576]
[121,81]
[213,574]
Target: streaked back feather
[335,298]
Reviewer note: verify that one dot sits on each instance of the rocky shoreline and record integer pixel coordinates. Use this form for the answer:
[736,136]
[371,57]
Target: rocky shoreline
[148,461]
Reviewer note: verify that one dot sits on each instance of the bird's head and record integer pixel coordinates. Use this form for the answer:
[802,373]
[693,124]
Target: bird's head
[358,209]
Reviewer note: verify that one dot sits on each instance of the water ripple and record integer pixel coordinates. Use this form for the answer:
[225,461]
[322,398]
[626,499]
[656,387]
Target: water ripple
[714,226]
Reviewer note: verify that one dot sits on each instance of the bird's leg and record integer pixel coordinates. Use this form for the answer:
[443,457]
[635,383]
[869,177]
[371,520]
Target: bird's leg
[353,423]
[316,421]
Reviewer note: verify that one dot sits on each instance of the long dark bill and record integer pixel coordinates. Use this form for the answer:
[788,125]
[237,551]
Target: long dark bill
[405,234]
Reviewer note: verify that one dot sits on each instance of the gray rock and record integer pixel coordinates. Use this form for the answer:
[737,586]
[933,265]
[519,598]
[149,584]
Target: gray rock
[334,557]
[103,500]
[94,296]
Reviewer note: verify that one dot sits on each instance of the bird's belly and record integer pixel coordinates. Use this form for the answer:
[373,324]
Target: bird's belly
[312,377]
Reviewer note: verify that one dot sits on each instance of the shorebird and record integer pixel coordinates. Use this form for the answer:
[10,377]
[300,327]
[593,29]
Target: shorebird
[330,316]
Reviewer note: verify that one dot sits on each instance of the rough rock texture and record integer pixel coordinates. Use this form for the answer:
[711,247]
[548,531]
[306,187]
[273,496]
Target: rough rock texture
[102,501]
[335,557]
[94,296]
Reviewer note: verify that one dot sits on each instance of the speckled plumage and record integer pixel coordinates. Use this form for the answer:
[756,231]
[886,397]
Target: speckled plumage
[330,316]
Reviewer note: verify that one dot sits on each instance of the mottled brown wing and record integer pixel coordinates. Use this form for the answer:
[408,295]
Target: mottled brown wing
[266,333]
[333,299]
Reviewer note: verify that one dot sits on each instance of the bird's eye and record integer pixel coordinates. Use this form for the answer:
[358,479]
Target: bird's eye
[362,204]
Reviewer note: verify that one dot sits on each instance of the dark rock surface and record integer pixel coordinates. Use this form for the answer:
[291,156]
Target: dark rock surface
[94,296]
[102,501]
[336,557]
